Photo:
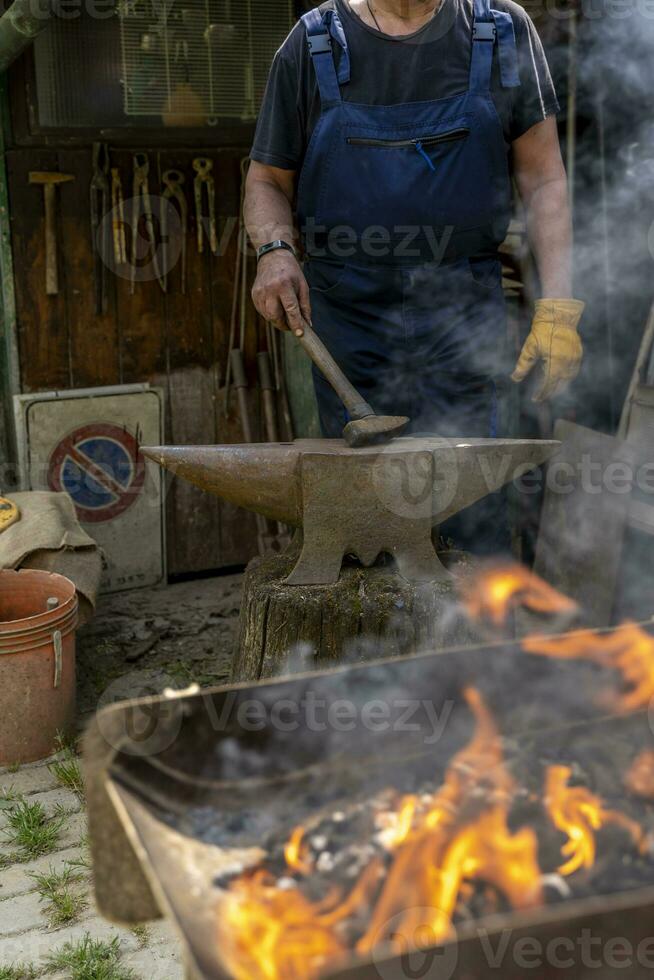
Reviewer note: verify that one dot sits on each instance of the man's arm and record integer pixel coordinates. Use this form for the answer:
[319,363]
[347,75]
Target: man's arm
[553,341]
[280,292]
[543,187]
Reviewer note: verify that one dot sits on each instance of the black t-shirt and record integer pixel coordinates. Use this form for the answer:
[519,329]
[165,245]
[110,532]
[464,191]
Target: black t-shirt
[433,63]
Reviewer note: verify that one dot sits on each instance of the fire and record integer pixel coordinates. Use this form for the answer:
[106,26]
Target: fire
[295,852]
[271,933]
[460,836]
[628,650]
[441,845]
[494,591]
[578,813]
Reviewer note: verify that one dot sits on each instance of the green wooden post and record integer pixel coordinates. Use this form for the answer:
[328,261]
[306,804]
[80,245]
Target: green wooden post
[9,363]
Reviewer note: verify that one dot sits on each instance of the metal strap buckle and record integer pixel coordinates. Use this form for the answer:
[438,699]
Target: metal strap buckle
[484,30]
[320,43]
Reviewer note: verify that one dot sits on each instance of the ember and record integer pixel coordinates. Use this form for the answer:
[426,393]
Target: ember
[440,845]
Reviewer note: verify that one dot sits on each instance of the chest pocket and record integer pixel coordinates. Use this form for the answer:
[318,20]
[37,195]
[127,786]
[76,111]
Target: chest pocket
[414,175]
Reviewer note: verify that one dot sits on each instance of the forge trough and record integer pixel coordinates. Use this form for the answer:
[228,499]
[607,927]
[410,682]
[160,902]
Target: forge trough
[184,791]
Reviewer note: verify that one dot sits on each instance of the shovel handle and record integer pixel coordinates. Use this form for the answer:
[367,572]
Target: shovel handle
[356,406]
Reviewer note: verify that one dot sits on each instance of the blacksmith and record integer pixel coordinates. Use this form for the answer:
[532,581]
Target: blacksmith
[389,137]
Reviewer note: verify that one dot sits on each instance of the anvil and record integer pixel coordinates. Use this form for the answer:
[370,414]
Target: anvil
[358,501]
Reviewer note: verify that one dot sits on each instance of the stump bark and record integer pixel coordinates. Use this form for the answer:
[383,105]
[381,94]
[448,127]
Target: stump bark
[368,614]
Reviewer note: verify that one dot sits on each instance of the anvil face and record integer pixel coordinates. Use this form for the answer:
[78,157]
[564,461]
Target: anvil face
[358,501]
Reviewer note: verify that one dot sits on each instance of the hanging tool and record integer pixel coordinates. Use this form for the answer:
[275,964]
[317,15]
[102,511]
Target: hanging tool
[267,385]
[238,291]
[9,513]
[49,181]
[204,178]
[173,179]
[141,204]
[118,217]
[99,206]
[266,542]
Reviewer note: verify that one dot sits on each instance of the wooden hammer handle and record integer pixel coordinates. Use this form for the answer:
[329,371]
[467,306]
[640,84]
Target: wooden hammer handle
[356,406]
[51,272]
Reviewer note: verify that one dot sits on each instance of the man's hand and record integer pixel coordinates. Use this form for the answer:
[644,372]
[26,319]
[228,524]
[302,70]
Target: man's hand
[281,293]
[555,343]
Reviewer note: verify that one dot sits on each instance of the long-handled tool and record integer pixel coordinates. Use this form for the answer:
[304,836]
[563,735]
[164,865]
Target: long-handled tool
[99,206]
[49,181]
[365,428]
[142,204]
[118,217]
[173,179]
[204,178]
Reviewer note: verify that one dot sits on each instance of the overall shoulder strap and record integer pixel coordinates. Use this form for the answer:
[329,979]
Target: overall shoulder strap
[491,27]
[320,46]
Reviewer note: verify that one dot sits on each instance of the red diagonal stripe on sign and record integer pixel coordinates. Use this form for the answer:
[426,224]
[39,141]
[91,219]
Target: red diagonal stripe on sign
[96,472]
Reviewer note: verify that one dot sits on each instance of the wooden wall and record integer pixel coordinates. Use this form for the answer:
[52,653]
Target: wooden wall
[177,341]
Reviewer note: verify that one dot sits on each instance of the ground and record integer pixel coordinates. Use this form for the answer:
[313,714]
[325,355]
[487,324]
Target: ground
[138,643]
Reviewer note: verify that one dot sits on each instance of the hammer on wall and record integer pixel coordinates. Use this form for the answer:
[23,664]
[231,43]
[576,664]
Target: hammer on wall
[365,428]
[49,180]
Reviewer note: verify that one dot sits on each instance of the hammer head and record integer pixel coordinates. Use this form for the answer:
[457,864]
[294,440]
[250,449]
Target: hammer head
[49,177]
[374,429]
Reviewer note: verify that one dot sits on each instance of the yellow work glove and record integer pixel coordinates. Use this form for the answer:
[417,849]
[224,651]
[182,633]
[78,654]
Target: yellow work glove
[554,342]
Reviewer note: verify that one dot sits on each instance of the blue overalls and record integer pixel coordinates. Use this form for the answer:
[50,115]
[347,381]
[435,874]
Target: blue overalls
[402,209]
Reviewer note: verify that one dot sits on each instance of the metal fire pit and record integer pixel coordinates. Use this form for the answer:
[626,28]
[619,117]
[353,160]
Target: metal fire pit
[174,781]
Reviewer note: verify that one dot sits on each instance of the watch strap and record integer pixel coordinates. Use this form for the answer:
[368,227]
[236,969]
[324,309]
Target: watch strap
[273,247]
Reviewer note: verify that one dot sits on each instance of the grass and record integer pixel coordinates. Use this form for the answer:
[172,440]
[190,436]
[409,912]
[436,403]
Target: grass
[67,770]
[18,972]
[31,830]
[63,904]
[90,959]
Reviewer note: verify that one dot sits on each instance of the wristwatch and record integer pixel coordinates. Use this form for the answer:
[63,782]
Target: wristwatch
[273,247]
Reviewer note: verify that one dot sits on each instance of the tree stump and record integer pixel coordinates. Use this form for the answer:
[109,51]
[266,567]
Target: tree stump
[368,614]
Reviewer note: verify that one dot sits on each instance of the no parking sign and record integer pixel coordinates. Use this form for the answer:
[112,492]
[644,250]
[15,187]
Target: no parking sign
[85,443]
[99,465]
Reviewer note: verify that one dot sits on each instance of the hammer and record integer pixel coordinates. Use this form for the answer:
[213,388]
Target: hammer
[364,428]
[49,180]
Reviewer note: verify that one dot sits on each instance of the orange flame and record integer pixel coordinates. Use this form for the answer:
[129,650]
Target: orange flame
[494,591]
[628,649]
[441,844]
[270,933]
[295,852]
[578,813]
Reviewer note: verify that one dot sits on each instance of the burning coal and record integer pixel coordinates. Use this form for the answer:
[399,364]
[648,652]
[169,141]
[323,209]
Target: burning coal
[427,855]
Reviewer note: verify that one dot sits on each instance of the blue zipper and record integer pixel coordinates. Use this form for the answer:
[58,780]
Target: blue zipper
[423,153]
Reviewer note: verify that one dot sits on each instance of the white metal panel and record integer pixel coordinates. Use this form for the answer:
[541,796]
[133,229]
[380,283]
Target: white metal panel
[86,443]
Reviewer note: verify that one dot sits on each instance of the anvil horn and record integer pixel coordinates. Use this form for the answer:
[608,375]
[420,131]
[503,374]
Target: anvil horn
[259,477]
[471,469]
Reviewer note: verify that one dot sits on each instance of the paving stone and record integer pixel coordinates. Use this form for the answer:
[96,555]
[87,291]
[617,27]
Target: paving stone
[16,880]
[159,960]
[28,780]
[20,914]
[35,946]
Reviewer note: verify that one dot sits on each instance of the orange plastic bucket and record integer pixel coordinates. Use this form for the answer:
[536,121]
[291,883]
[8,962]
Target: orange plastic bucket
[38,618]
